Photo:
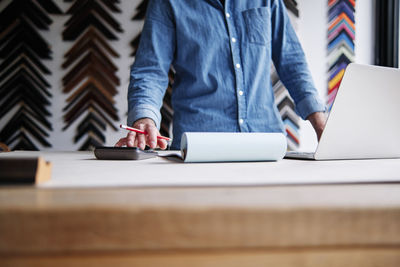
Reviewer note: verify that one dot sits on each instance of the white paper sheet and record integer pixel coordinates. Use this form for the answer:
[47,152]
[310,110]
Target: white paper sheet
[230,147]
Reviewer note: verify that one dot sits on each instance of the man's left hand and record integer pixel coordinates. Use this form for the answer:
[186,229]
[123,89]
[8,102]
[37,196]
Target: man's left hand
[318,120]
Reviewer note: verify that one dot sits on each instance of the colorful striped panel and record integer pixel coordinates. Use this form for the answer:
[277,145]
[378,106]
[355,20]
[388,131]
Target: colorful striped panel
[341,36]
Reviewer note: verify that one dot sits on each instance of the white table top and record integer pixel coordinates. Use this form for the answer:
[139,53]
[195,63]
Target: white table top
[81,169]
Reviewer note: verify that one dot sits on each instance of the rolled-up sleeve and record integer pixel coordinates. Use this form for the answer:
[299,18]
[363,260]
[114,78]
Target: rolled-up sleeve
[291,65]
[149,72]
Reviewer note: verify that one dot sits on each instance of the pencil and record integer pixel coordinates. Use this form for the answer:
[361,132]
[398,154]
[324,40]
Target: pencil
[142,132]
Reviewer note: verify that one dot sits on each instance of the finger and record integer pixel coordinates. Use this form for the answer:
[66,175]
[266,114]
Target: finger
[141,139]
[151,135]
[121,142]
[162,143]
[130,139]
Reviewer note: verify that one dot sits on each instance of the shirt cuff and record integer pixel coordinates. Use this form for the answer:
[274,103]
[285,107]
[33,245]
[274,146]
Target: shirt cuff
[309,105]
[144,111]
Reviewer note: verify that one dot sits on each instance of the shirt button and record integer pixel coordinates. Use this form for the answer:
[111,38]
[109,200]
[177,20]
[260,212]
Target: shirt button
[238,66]
[233,40]
[228,15]
[240,92]
[241,121]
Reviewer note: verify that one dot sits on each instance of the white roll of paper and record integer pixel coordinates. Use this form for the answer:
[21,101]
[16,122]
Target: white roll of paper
[217,147]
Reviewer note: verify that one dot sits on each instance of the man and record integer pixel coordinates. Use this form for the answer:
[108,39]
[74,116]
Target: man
[221,52]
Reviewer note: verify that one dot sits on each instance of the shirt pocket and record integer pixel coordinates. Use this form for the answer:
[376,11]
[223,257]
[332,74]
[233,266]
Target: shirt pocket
[258,25]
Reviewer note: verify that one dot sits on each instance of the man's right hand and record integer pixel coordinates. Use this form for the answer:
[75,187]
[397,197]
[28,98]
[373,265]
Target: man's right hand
[134,139]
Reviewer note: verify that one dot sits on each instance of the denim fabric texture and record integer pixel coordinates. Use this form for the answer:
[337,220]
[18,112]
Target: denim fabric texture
[222,57]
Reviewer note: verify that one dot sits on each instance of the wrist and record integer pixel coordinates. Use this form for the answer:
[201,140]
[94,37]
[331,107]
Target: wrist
[317,120]
[144,121]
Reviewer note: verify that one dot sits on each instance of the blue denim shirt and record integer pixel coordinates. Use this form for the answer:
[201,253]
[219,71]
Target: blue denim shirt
[222,58]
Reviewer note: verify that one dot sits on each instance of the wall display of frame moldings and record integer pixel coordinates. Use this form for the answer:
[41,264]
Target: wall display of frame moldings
[24,90]
[283,100]
[341,36]
[90,80]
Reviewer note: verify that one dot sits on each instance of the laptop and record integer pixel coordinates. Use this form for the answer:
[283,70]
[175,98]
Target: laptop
[364,122]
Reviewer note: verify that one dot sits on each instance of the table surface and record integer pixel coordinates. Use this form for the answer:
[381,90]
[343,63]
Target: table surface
[81,169]
[228,225]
